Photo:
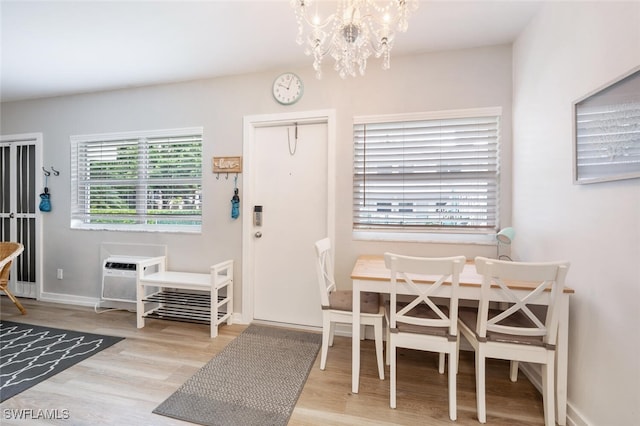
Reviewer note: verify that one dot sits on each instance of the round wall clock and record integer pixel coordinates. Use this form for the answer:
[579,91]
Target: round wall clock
[287,88]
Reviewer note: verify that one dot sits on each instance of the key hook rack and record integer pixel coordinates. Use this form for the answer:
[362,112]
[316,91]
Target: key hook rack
[48,173]
[227,165]
[226,176]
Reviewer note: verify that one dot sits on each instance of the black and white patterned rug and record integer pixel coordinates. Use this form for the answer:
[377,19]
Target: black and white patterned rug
[255,380]
[30,354]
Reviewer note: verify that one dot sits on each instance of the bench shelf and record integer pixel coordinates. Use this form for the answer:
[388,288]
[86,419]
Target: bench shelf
[184,296]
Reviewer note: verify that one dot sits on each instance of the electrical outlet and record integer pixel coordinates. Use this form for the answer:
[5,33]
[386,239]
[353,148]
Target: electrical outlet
[60,274]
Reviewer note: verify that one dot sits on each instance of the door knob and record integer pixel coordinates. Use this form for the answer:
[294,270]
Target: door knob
[258,234]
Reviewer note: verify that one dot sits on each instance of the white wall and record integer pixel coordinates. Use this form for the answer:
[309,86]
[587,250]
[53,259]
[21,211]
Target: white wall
[77,252]
[440,81]
[570,49]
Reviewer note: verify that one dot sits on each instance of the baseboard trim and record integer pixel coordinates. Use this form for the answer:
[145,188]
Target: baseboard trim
[68,299]
[237,318]
[574,418]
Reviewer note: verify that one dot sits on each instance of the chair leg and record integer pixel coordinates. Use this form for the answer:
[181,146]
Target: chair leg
[453,370]
[480,386]
[15,301]
[458,353]
[392,379]
[548,393]
[388,345]
[332,332]
[377,329]
[513,375]
[326,340]
[441,363]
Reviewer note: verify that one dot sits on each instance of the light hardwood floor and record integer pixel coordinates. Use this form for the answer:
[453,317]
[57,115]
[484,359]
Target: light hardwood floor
[122,384]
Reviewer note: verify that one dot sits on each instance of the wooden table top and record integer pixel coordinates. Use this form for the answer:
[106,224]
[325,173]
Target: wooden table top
[372,267]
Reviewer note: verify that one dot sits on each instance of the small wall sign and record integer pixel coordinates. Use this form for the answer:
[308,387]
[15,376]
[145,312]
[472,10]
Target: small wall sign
[227,164]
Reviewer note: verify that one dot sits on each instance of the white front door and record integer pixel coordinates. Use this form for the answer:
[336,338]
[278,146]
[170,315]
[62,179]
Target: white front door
[20,182]
[289,182]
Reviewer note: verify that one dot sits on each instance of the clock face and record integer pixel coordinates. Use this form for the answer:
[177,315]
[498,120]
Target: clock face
[287,88]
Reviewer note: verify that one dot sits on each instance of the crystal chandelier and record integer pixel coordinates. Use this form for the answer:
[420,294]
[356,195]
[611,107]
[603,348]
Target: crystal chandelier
[357,29]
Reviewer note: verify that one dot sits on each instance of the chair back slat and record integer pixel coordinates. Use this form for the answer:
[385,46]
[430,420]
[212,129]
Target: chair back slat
[522,321]
[324,268]
[444,273]
[424,297]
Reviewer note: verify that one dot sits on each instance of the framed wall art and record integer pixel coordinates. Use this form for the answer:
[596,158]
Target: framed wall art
[607,132]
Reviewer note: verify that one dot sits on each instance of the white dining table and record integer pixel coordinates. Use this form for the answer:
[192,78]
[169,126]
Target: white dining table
[370,274]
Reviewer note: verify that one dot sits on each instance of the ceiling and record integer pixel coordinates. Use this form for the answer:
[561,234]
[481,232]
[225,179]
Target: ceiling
[53,48]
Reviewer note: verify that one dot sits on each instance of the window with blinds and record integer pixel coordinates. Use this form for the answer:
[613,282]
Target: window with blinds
[138,181]
[436,173]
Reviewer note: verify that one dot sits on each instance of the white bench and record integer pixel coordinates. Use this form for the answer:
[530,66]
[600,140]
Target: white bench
[184,296]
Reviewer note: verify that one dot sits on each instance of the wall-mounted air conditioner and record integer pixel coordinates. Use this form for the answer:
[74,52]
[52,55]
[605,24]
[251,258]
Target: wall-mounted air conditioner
[119,278]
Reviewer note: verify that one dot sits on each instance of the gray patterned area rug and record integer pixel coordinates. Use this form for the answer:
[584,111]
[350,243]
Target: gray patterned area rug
[255,380]
[30,354]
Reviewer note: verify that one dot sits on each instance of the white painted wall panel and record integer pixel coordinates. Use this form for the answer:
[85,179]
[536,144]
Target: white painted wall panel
[570,49]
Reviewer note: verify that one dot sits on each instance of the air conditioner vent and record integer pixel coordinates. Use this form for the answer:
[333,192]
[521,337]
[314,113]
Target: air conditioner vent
[120,266]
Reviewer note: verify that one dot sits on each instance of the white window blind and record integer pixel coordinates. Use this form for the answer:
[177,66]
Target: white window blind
[427,174]
[138,181]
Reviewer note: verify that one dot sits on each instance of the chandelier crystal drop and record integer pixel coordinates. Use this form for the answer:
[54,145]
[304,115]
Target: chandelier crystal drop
[357,29]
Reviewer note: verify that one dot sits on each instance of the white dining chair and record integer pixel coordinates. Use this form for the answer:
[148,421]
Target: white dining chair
[521,332]
[337,307]
[421,323]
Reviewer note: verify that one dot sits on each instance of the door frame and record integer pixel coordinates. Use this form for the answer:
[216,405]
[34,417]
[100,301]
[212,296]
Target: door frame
[37,138]
[251,123]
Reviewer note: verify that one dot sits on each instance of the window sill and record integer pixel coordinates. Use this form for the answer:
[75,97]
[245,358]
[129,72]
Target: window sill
[129,228]
[424,237]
